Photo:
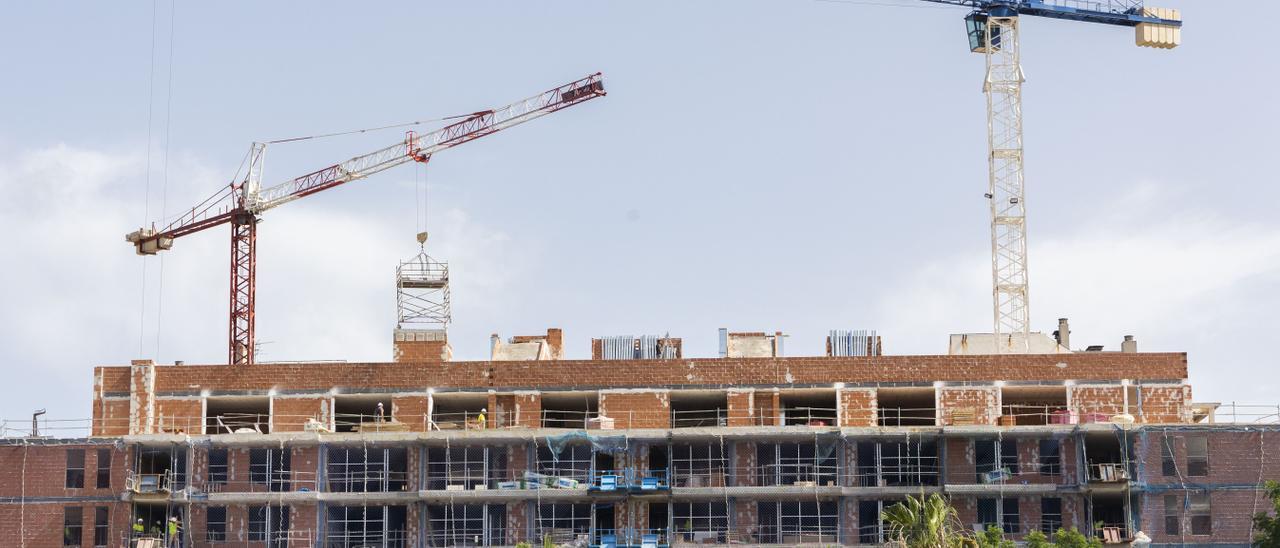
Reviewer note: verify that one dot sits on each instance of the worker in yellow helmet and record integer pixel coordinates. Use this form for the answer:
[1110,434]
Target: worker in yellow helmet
[173,533]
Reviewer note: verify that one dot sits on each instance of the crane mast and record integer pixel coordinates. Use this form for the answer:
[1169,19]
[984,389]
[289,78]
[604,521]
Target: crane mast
[1003,88]
[241,203]
[993,29]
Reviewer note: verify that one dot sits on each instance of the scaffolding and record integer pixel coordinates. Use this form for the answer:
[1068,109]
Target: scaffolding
[422,291]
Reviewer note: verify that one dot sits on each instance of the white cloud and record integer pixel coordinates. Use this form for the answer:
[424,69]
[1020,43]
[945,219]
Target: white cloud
[73,285]
[1179,280]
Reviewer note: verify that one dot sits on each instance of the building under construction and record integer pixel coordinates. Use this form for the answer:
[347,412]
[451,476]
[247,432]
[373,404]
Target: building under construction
[750,447]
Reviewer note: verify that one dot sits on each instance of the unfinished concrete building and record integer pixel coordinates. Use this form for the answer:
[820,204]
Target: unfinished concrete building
[752,447]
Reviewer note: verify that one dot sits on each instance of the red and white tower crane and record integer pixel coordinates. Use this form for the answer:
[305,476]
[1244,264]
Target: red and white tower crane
[241,203]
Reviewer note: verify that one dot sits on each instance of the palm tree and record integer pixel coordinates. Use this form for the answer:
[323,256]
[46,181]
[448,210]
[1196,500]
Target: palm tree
[926,523]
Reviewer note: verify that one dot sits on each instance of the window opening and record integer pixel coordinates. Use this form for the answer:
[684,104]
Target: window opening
[698,465]
[72,525]
[75,469]
[104,469]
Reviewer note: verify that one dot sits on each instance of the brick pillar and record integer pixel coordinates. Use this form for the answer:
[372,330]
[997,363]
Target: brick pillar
[637,408]
[744,463]
[142,397]
[741,407]
[528,409]
[857,406]
[412,411]
[983,401]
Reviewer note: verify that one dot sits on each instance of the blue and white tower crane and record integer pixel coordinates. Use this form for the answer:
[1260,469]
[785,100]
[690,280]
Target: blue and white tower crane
[993,31]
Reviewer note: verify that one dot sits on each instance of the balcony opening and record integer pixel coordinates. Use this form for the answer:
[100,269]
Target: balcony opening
[658,462]
[270,525]
[563,523]
[1105,458]
[571,467]
[700,522]
[915,406]
[237,415]
[357,526]
[996,461]
[871,530]
[468,468]
[1034,405]
[154,518]
[361,413]
[459,411]
[692,409]
[659,524]
[270,469]
[804,464]
[1108,514]
[606,533]
[366,469]
[569,409]
[797,522]
[808,407]
[897,463]
[1001,513]
[698,465]
[159,470]
[467,525]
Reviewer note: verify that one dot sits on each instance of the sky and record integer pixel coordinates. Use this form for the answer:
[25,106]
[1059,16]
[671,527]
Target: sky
[760,165]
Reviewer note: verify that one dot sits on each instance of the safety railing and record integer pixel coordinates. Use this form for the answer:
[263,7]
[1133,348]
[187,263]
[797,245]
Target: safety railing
[154,483]
[370,534]
[367,481]
[1108,472]
[453,477]
[798,474]
[792,535]
[901,472]
[1174,412]
[446,533]
[700,418]
[460,420]
[906,416]
[263,481]
[1007,471]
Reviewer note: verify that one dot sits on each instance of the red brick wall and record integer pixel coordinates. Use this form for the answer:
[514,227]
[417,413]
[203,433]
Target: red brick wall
[517,521]
[706,371]
[111,417]
[179,415]
[290,414]
[637,409]
[1101,400]
[857,407]
[983,401]
[1163,404]
[41,525]
[1230,511]
[42,471]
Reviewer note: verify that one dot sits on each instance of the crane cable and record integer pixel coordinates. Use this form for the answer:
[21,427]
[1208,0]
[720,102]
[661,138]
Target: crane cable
[146,197]
[365,130]
[164,174]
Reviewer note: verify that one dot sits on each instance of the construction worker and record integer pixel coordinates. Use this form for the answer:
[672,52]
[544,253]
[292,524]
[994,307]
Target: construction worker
[381,413]
[173,536]
[480,420]
[139,528]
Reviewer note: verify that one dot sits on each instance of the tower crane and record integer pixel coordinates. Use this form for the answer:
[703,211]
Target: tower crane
[993,31]
[241,203]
